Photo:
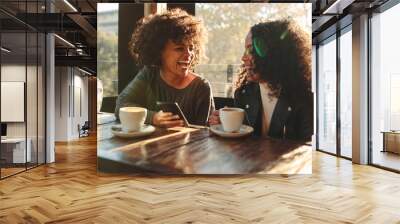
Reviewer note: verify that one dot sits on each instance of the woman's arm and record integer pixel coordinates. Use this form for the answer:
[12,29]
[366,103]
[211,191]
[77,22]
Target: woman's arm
[134,95]
[205,104]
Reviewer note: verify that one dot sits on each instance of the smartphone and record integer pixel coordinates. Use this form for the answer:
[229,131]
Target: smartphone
[173,108]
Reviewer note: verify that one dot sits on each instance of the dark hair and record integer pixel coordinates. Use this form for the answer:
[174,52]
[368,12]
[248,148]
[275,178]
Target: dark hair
[153,32]
[286,65]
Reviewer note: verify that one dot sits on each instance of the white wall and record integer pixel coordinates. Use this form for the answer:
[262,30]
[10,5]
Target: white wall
[61,104]
[71,103]
[16,73]
[33,127]
[13,73]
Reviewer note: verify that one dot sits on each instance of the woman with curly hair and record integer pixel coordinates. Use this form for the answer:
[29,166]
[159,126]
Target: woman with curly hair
[274,86]
[167,46]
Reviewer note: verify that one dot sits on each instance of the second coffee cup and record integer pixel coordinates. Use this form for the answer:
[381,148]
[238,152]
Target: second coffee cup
[132,118]
[231,118]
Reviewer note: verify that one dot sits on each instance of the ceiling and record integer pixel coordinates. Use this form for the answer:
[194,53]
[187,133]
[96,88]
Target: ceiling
[76,22]
[330,15]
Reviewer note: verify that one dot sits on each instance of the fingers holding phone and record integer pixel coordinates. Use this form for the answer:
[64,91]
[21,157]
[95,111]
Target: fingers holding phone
[167,120]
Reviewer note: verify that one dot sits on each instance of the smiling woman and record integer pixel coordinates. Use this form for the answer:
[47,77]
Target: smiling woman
[167,46]
[177,60]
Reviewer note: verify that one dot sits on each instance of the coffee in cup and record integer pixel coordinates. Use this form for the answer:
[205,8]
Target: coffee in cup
[231,118]
[132,118]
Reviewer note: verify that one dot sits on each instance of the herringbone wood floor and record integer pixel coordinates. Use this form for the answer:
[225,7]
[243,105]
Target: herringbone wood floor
[70,191]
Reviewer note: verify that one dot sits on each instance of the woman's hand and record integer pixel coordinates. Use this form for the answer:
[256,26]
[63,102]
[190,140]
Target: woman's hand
[214,118]
[166,120]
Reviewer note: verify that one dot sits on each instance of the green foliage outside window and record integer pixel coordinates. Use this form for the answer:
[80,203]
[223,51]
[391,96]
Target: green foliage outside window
[107,62]
[227,26]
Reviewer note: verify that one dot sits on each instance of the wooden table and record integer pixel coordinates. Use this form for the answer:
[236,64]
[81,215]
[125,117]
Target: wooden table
[198,151]
[391,141]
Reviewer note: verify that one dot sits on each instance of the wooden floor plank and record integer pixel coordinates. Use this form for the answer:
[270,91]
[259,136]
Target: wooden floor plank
[71,191]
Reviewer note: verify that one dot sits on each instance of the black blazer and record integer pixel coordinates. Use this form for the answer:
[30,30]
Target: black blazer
[289,121]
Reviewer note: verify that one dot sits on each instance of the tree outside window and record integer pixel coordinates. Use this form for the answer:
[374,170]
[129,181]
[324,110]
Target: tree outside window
[227,26]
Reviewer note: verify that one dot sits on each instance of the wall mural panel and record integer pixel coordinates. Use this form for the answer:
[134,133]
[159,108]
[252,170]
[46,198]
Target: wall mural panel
[165,120]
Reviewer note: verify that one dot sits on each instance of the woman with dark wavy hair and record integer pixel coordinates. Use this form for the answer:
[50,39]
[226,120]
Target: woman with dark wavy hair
[167,46]
[274,86]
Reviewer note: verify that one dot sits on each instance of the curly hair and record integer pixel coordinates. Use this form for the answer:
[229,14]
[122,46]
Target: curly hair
[153,32]
[286,65]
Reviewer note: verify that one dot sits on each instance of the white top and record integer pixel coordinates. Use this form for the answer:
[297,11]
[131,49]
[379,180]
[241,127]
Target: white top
[104,118]
[268,103]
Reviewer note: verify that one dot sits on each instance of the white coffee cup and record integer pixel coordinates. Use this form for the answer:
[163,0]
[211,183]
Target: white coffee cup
[231,118]
[132,118]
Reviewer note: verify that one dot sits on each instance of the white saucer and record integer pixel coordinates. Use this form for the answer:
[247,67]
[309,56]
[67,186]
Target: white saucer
[244,130]
[144,131]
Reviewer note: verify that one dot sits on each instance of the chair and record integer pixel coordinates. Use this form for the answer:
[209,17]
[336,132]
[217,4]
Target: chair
[84,130]
[221,102]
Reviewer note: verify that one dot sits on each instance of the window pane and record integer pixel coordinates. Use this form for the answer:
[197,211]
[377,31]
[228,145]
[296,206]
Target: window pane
[13,82]
[314,89]
[31,99]
[41,99]
[385,88]
[227,26]
[345,94]
[327,96]
[107,44]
